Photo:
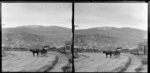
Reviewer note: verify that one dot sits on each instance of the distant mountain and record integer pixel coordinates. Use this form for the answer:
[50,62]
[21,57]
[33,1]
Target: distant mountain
[111,37]
[94,38]
[34,35]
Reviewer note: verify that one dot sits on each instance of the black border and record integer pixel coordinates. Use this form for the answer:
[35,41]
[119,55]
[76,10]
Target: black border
[78,1]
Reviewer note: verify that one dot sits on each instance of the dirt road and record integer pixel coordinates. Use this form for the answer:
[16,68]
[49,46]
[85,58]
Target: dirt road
[136,62]
[62,61]
[23,61]
[87,62]
[97,62]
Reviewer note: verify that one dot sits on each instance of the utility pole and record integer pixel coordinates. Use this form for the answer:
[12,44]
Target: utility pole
[72,46]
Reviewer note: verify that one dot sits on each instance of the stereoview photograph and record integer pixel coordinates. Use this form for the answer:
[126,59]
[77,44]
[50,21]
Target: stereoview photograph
[111,37]
[36,37]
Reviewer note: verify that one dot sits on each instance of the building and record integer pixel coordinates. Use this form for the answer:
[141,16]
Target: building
[3,53]
[68,46]
[143,48]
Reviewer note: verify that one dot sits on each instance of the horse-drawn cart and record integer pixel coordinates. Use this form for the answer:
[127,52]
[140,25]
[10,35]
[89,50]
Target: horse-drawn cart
[66,49]
[61,50]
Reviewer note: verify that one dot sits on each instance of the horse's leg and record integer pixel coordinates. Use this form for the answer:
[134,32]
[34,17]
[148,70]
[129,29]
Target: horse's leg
[33,54]
[37,53]
[114,55]
[106,55]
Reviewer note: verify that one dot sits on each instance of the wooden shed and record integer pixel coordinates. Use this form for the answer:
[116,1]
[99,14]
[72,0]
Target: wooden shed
[143,48]
[68,46]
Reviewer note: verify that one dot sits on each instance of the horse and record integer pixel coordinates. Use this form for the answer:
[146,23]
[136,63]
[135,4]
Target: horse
[35,51]
[110,52]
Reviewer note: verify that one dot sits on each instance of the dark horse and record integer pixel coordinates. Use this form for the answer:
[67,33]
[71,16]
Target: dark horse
[37,51]
[110,52]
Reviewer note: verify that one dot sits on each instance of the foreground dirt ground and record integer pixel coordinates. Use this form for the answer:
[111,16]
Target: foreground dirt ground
[24,61]
[97,62]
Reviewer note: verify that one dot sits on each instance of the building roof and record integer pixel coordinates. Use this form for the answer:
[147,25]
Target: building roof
[68,42]
[142,44]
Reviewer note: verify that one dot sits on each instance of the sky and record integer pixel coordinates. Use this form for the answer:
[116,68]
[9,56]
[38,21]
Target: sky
[46,14]
[89,15]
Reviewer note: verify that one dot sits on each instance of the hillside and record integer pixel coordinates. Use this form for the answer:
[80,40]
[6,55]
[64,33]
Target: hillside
[93,38]
[26,36]
[109,37]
